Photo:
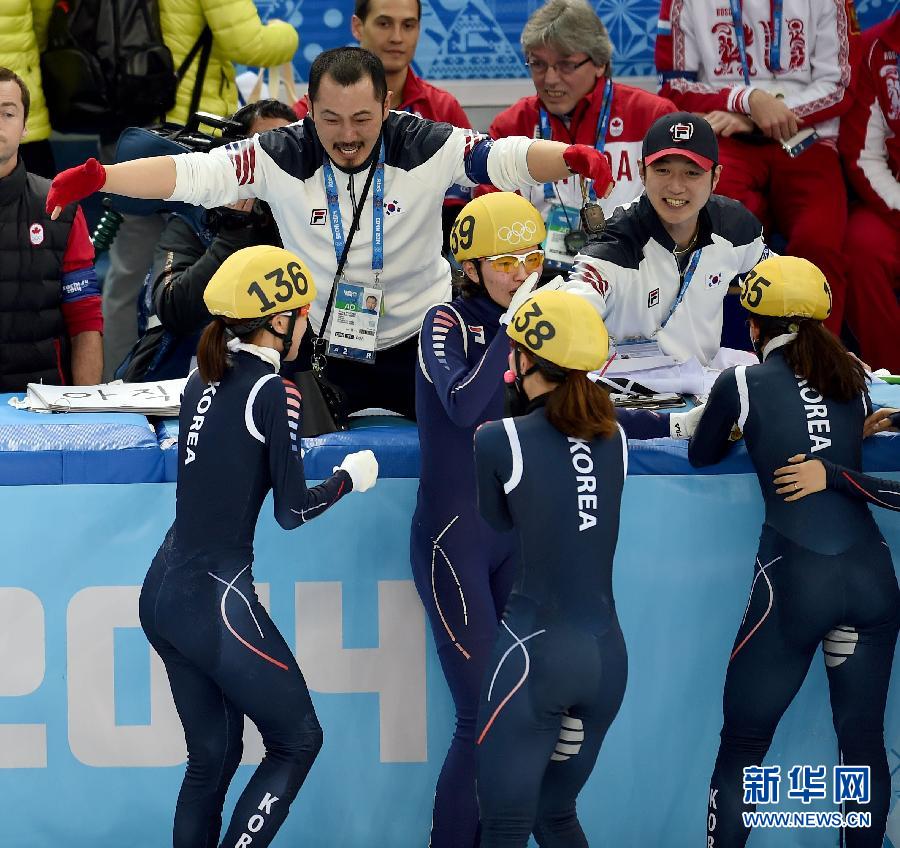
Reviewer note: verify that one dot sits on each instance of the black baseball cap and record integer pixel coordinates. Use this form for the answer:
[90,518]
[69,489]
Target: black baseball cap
[681,134]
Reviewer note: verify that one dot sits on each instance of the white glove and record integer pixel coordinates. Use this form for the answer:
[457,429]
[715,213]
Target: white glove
[362,468]
[683,424]
[558,283]
[523,292]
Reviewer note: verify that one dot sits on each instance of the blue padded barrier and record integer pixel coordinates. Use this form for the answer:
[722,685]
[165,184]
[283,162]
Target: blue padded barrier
[167,433]
[670,456]
[396,446]
[42,448]
[78,448]
[394,441]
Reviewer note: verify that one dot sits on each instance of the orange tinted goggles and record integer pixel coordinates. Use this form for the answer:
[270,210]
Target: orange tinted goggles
[507,263]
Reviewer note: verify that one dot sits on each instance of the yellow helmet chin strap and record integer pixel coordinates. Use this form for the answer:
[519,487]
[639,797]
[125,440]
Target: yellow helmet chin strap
[287,336]
[247,328]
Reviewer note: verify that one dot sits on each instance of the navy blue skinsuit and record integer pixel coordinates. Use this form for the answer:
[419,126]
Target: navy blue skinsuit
[463,569]
[823,575]
[876,491]
[558,670]
[224,657]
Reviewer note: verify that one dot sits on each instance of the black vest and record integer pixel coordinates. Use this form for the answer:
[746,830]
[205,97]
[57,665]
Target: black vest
[34,346]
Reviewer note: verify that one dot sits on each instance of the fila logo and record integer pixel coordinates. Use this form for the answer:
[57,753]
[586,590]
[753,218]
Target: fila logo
[36,234]
[317,218]
[653,299]
[477,332]
[681,132]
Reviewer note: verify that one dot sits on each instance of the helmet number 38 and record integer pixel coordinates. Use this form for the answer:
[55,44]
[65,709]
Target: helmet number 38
[542,330]
[281,288]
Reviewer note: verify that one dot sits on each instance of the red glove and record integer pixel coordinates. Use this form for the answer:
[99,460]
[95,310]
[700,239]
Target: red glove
[590,163]
[75,184]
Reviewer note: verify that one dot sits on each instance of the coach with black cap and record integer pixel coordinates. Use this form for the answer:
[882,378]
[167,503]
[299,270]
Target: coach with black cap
[661,268]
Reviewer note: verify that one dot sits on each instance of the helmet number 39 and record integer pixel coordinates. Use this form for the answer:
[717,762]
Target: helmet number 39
[463,233]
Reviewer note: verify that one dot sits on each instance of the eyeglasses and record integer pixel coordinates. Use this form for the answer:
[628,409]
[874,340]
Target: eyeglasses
[507,263]
[564,68]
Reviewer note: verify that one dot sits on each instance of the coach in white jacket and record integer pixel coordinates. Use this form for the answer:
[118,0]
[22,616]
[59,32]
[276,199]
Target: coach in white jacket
[398,244]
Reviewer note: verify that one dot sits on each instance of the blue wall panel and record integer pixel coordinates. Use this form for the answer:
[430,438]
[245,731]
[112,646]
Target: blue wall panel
[479,39]
[91,752]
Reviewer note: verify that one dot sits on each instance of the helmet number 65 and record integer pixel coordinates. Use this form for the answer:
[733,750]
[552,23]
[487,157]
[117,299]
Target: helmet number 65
[755,284]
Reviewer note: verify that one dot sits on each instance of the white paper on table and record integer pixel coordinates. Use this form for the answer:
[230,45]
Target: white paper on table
[622,367]
[726,357]
[28,403]
[680,378]
[162,397]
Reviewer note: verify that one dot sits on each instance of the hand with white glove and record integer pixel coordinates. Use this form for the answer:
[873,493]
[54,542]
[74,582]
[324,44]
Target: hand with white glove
[558,283]
[683,424]
[362,468]
[522,293]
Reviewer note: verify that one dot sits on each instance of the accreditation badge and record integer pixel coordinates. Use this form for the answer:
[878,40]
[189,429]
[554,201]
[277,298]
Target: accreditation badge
[637,348]
[353,330]
[562,223]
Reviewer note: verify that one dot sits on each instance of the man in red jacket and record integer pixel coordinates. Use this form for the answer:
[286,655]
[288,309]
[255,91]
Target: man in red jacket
[869,144]
[390,30]
[569,54]
[761,72]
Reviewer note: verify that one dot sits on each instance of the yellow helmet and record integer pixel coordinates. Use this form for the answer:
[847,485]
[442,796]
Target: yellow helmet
[500,222]
[562,328]
[258,281]
[787,287]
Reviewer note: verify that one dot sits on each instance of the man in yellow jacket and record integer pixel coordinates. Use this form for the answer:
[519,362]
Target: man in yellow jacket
[23,35]
[238,35]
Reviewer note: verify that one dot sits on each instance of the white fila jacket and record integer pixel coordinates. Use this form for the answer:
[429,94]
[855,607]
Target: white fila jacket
[635,278]
[422,160]
[700,67]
